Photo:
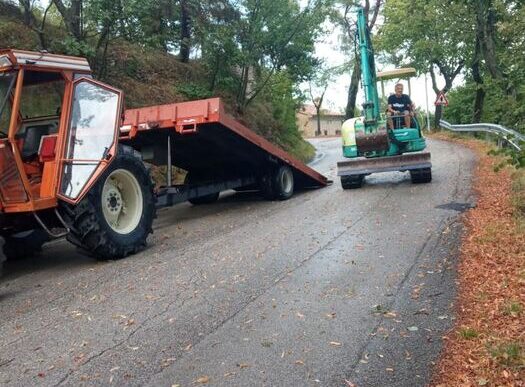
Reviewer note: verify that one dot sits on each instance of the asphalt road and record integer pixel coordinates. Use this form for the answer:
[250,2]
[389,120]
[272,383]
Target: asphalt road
[329,286]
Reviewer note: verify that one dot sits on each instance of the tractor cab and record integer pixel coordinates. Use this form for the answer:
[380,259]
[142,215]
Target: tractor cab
[58,129]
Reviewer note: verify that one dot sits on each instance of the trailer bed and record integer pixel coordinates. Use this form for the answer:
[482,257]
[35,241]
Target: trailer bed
[203,137]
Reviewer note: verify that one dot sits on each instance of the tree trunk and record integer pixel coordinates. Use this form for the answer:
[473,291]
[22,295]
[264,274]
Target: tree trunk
[353,89]
[28,15]
[72,17]
[185,32]
[478,79]
[318,132]
[76,19]
[438,115]
[486,22]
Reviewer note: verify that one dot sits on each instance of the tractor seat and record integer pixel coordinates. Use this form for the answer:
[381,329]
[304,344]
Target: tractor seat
[32,135]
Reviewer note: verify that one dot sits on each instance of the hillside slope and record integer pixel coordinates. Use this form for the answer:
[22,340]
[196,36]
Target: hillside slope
[150,77]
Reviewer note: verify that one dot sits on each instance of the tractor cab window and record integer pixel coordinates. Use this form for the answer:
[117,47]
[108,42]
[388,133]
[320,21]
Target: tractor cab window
[92,131]
[40,109]
[7,82]
[42,95]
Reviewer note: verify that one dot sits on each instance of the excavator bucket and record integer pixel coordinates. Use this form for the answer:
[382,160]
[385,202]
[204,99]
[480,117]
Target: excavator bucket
[366,166]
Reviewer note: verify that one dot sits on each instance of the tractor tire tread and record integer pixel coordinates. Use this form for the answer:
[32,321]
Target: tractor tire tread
[88,228]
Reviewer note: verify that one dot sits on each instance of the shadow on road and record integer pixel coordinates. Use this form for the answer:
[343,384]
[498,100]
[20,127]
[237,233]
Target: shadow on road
[55,255]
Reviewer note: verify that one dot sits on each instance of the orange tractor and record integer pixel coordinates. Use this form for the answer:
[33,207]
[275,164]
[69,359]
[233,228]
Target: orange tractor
[72,161]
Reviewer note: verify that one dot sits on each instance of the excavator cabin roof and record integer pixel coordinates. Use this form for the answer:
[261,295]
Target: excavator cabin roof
[10,59]
[396,74]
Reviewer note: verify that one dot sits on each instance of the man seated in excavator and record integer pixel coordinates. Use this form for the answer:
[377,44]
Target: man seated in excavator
[400,109]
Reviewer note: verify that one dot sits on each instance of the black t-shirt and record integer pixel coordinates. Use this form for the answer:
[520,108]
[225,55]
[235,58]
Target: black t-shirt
[400,104]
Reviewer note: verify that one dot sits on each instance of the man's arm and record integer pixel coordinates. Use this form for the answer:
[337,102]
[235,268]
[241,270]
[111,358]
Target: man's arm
[410,104]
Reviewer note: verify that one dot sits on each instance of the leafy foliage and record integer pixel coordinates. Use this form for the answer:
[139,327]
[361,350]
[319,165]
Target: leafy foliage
[484,40]
[250,52]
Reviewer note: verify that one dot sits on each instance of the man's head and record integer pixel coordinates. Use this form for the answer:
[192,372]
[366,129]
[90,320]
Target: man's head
[399,89]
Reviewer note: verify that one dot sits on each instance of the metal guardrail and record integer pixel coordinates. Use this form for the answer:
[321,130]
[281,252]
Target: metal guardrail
[512,137]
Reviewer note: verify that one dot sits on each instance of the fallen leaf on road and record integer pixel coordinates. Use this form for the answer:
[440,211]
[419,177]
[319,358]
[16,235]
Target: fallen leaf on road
[299,362]
[243,365]
[202,380]
[335,344]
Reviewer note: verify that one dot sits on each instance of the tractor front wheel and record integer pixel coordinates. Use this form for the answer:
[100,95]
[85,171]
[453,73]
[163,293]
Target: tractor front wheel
[116,216]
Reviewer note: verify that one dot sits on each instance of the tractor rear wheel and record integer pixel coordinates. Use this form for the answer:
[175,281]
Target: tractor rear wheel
[421,176]
[116,216]
[352,182]
[278,184]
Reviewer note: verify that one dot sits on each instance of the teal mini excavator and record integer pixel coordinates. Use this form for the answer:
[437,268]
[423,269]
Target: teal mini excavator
[368,143]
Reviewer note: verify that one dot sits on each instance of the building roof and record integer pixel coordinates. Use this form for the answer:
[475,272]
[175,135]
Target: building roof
[311,111]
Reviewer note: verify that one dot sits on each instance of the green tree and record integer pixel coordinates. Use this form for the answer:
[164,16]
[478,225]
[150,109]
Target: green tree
[430,35]
[345,16]
[273,36]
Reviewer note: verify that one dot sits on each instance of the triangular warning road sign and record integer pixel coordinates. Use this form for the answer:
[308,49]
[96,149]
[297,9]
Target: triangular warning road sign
[441,99]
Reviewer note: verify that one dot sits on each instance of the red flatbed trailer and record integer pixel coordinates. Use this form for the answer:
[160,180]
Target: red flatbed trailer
[201,138]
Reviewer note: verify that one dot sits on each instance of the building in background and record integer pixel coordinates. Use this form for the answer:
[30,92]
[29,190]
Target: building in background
[330,122]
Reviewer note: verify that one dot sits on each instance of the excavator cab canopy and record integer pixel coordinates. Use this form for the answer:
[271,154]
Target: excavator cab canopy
[401,73]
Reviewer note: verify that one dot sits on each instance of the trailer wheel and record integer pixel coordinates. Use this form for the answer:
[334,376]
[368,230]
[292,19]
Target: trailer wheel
[278,184]
[206,199]
[352,182]
[24,244]
[116,216]
[421,176]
